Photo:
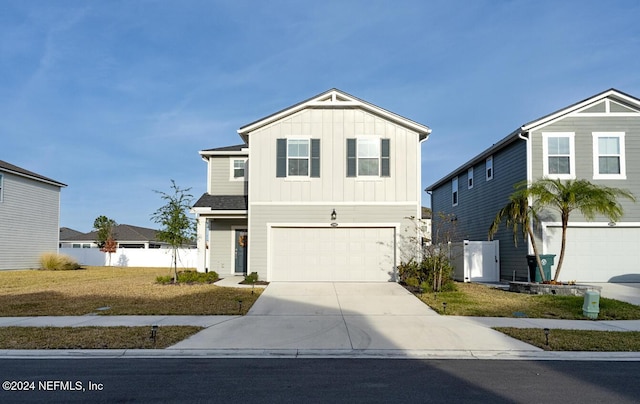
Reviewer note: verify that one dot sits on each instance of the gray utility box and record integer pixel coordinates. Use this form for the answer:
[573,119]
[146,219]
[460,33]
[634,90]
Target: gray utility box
[591,306]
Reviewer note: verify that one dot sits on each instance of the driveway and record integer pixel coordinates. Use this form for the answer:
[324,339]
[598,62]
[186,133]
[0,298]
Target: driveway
[346,316]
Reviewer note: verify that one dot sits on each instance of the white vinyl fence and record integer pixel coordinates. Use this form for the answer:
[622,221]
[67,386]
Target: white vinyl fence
[133,257]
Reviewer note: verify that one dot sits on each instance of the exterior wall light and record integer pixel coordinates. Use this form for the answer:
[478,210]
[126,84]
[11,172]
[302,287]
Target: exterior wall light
[334,216]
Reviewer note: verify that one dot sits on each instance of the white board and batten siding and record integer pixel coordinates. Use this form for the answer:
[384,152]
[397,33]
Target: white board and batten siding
[372,211]
[29,221]
[333,128]
[596,252]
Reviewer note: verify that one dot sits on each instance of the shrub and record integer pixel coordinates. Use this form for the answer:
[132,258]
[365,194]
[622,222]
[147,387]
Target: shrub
[251,278]
[189,277]
[433,273]
[57,262]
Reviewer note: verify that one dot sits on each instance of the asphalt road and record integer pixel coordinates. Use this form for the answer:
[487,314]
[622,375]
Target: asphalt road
[317,381]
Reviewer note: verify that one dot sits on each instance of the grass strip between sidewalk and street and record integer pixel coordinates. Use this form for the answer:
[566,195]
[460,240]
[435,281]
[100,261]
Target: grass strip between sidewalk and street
[93,337]
[577,340]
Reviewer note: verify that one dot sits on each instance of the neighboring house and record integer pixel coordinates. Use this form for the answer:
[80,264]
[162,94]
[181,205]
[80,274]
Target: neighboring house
[126,235]
[597,139]
[326,190]
[29,216]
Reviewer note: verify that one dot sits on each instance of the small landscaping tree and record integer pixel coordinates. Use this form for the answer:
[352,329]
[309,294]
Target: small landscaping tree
[177,227]
[105,238]
[519,216]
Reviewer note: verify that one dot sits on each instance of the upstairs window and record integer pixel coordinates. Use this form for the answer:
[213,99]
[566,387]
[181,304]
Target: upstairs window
[609,155]
[298,158]
[470,178]
[1,187]
[489,167]
[238,169]
[368,157]
[454,191]
[559,156]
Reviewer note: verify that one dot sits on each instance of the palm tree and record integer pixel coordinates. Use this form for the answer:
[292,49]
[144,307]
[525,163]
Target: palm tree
[518,215]
[581,195]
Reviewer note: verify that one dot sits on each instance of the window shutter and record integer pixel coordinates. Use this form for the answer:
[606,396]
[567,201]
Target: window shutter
[315,158]
[281,158]
[351,158]
[385,161]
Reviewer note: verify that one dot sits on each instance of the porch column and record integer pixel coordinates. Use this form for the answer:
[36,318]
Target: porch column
[203,252]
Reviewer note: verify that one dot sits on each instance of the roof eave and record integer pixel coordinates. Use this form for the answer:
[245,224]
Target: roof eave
[336,99]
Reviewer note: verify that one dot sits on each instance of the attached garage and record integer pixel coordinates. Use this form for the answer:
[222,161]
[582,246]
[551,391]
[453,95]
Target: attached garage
[335,254]
[597,253]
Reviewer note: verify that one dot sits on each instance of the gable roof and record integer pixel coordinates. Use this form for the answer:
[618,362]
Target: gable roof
[335,98]
[67,233]
[10,168]
[612,93]
[121,232]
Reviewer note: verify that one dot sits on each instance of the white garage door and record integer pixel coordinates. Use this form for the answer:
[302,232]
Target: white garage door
[597,254]
[332,254]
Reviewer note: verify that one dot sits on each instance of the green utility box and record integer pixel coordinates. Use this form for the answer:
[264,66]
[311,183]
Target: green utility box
[591,306]
[546,260]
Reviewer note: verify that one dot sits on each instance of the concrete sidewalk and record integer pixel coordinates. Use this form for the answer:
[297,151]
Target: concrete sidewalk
[337,320]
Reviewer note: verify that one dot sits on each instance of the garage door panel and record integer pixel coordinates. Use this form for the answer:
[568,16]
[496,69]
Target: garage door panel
[332,254]
[597,254]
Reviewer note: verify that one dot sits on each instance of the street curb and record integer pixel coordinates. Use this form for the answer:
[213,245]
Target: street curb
[317,354]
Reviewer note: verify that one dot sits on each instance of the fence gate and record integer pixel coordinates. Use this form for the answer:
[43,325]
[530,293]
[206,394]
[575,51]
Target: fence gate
[476,261]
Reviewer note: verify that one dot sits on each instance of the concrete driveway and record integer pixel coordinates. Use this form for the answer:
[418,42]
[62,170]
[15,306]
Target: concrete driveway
[347,317]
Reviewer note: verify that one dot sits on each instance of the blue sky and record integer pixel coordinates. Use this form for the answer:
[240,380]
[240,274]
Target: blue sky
[116,98]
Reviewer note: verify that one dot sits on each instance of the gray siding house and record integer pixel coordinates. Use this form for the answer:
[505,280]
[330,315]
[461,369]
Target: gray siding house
[597,139]
[29,216]
[325,190]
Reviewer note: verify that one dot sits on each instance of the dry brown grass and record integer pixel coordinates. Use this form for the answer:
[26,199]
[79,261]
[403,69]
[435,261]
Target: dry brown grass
[130,291]
[92,337]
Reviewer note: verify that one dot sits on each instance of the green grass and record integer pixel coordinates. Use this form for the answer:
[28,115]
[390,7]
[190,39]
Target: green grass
[92,337]
[478,300]
[577,340]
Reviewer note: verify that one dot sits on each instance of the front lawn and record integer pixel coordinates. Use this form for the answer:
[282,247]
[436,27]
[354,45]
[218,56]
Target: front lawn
[123,291]
[482,301]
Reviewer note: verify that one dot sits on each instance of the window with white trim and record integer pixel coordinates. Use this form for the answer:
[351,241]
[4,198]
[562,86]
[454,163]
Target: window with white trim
[298,157]
[470,178]
[489,167]
[368,157]
[609,155]
[1,188]
[558,152]
[238,169]
[454,191]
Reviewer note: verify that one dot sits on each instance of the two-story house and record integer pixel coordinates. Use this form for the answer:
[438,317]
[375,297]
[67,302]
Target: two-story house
[29,216]
[597,139]
[325,190]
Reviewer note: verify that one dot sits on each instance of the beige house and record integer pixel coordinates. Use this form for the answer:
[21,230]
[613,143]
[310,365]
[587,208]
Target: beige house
[325,190]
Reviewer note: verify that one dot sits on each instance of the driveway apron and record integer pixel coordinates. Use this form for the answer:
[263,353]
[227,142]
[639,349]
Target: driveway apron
[346,316]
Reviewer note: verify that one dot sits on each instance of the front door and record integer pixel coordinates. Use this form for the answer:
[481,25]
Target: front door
[241,252]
